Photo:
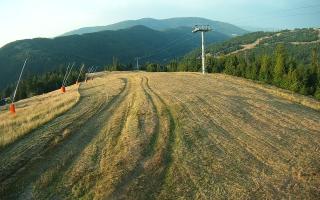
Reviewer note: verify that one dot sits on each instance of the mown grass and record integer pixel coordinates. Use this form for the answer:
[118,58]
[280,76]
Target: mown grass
[237,139]
[282,93]
[33,112]
[189,136]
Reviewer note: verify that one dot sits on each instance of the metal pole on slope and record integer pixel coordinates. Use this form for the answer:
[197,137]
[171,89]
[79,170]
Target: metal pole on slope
[65,81]
[202,29]
[93,71]
[12,106]
[88,72]
[137,58]
[203,56]
[65,75]
[63,88]
[77,82]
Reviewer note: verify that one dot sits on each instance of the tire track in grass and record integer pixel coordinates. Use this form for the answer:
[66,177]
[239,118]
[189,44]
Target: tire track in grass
[229,120]
[213,110]
[168,151]
[201,187]
[150,150]
[114,161]
[195,185]
[225,137]
[150,178]
[147,152]
[74,143]
[87,166]
[101,121]
[123,121]
[27,148]
[104,116]
[250,148]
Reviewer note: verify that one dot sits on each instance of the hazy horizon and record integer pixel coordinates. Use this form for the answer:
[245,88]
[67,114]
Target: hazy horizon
[24,19]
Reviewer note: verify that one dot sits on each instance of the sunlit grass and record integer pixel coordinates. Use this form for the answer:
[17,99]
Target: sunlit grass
[33,112]
[183,135]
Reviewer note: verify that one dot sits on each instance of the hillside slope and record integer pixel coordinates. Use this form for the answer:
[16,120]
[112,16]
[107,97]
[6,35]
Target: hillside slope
[263,40]
[169,136]
[97,49]
[33,112]
[287,59]
[163,24]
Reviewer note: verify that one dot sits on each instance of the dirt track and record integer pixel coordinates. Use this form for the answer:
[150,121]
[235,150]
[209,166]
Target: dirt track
[169,135]
[253,45]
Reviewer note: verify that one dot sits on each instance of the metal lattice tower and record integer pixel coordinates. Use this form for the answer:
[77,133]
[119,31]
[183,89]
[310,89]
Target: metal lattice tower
[202,29]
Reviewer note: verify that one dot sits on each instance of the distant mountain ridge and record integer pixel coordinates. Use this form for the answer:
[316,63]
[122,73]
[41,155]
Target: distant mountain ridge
[98,49]
[164,24]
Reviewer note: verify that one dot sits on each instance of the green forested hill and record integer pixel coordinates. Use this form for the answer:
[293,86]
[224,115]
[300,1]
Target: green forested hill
[270,39]
[97,49]
[288,59]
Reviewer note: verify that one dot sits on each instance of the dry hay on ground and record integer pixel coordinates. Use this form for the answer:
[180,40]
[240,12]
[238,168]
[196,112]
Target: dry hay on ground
[169,136]
[33,112]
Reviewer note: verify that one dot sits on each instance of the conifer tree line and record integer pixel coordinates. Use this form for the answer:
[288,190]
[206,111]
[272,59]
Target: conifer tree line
[116,65]
[276,68]
[41,83]
[37,84]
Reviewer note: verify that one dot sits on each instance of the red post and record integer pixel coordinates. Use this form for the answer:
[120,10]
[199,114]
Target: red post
[12,108]
[63,89]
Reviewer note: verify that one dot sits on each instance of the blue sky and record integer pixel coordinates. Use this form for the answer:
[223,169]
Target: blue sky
[21,19]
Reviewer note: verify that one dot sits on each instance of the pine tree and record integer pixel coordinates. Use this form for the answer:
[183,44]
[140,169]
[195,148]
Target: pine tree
[314,60]
[230,66]
[8,91]
[182,66]
[292,80]
[172,66]
[279,69]
[315,67]
[254,71]
[152,67]
[115,64]
[241,68]
[210,64]
[317,93]
[264,74]
[248,71]
[158,68]
[304,75]
[219,65]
